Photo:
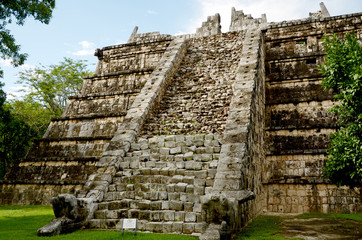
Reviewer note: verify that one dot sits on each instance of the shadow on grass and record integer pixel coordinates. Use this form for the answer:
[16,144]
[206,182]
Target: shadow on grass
[22,222]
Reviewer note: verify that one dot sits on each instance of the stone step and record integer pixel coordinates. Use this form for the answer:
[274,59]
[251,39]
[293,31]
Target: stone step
[59,159]
[198,178]
[68,149]
[53,139]
[177,227]
[150,215]
[104,95]
[118,73]
[91,116]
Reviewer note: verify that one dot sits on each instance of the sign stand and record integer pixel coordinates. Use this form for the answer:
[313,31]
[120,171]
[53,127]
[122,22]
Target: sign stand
[128,223]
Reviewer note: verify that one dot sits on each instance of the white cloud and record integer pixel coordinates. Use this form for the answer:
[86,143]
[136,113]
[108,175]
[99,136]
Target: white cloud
[27,66]
[86,44]
[151,12]
[16,92]
[6,62]
[87,49]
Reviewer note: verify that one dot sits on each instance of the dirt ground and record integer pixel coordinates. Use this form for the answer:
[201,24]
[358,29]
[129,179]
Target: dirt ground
[321,228]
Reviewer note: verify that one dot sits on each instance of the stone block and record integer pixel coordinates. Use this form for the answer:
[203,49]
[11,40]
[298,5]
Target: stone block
[155,216]
[176,205]
[190,189]
[188,228]
[175,150]
[197,208]
[180,216]
[167,227]
[164,151]
[174,196]
[155,205]
[188,156]
[170,145]
[144,204]
[180,187]
[112,214]
[170,138]
[144,215]
[155,227]
[168,215]
[179,157]
[188,206]
[177,227]
[163,195]
[199,190]
[200,227]
[179,138]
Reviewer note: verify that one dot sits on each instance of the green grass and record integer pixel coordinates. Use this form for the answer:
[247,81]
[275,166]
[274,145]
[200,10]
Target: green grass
[263,227]
[22,222]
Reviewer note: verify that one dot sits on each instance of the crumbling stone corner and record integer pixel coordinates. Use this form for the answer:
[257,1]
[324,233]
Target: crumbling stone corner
[70,214]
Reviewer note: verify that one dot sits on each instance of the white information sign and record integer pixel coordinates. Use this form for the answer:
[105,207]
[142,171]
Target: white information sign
[128,223]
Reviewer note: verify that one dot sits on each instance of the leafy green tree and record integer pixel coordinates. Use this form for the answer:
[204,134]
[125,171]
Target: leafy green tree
[33,113]
[342,72]
[51,86]
[15,136]
[47,92]
[40,10]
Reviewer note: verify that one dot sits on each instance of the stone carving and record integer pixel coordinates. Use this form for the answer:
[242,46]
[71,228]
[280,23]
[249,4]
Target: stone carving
[66,212]
[70,214]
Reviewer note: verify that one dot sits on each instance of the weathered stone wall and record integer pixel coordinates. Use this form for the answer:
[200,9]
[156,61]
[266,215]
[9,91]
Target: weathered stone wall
[297,119]
[198,99]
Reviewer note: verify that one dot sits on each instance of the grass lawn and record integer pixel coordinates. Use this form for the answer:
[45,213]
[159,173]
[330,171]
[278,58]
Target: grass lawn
[22,222]
[263,227]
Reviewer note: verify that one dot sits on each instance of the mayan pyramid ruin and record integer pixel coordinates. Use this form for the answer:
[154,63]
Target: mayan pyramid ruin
[197,133]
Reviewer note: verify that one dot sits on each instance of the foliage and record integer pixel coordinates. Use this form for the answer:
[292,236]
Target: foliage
[32,113]
[15,137]
[51,86]
[342,72]
[40,10]
[22,222]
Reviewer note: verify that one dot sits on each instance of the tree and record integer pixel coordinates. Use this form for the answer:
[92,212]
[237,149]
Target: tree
[15,137]
[48,89]
[342,72]
[33,113]
[15,134]
[40,10]
[51,86]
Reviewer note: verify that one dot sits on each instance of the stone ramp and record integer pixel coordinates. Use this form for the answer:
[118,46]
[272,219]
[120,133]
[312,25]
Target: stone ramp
[164,177]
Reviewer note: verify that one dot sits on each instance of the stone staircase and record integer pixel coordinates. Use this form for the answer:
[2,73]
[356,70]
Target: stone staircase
[164,176]
[161,183]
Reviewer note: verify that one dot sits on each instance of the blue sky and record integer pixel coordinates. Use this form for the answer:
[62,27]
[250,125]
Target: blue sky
[78,27]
